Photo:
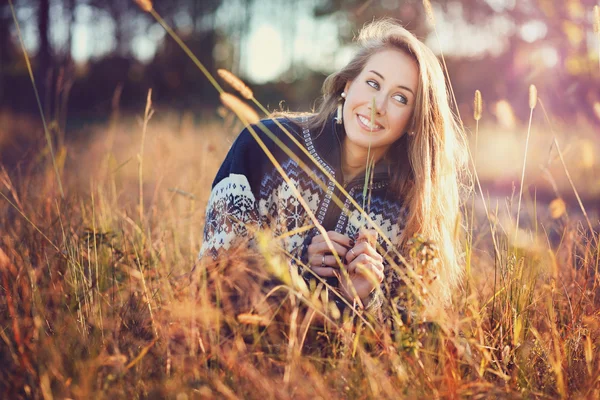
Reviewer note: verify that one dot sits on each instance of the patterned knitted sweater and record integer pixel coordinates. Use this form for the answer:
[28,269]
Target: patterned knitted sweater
[248,193]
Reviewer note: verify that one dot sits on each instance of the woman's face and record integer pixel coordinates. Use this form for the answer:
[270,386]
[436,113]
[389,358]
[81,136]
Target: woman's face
[391,78]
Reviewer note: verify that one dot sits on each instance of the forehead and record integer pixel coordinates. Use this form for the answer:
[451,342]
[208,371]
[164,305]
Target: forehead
[394,65]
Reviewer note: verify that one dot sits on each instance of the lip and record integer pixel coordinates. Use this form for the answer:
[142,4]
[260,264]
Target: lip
[367,127]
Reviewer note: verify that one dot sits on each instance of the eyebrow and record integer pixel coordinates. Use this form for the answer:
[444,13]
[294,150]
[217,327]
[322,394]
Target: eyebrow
[400,86]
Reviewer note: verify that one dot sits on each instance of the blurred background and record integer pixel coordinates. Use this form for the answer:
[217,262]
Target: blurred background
[93,57]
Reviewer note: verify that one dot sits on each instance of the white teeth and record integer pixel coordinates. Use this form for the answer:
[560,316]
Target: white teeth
[368,123]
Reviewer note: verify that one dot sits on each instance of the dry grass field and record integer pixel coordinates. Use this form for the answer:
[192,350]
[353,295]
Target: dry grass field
[101,295]
[98,300]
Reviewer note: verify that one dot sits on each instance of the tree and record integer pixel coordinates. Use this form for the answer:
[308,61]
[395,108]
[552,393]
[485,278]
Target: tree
[44,55]
[6,45]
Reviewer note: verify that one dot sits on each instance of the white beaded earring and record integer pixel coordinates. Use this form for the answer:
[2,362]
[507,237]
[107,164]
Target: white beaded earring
[339,118]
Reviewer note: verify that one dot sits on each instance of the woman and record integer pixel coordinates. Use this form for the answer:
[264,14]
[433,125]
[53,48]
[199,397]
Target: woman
[388,108]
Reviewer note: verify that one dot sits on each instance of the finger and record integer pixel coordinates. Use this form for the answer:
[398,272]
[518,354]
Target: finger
[323,247]
[317,239]
[367,235]
[365,263]
[370,272]
[317,260]
[363,248]
[324,272]
[360,260]
[334,237]
[341,239]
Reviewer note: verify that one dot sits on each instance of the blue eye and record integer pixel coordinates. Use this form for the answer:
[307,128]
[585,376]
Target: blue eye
[401,98]
[373,84]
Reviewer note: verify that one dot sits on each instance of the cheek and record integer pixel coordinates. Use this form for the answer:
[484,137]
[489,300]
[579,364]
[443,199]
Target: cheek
[358,94]
[400,122]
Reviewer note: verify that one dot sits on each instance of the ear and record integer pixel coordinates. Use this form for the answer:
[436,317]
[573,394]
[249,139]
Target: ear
[347,86]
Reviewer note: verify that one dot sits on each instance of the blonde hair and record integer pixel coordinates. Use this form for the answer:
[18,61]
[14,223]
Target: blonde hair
[432,160]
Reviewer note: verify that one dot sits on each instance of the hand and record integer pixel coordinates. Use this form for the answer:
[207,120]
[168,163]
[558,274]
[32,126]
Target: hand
[365,267]
[320,255]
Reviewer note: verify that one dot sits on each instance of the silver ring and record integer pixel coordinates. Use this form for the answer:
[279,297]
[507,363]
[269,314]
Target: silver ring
[323,261]
[353,254]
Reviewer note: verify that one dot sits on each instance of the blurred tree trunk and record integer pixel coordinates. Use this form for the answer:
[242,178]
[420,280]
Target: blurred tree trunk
[5,43]
[122,14]
[44,55]
[70,7]
[243,32]
[195,15]
[122,43]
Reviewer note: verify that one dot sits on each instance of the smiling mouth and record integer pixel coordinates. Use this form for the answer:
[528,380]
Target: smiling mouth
[366,124]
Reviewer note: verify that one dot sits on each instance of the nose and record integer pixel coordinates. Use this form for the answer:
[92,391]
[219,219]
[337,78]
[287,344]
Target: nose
[379,103]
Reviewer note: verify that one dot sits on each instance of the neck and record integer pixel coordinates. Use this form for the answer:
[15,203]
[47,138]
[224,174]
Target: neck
[354,159]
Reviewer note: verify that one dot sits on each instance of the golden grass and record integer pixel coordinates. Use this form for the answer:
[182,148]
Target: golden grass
[477,106]
[115,311]
[106,303]
[557,208]
[145,5]
[500,155]
[429,12]
[533,97]
[237,110]
[239,107]
[101,300]
[532,104]
[236,83]
[37,98]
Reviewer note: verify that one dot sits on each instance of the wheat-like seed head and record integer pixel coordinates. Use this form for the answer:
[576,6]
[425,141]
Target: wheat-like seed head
[597,19]
[236,83]
[477,105]
[557,208]
[252,319]
[597,109]
[588,154]
[242,109]
[429,11]
[532,96]
[145,5]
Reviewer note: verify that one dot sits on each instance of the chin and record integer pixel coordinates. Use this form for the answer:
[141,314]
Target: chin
[359,135]
[362,140]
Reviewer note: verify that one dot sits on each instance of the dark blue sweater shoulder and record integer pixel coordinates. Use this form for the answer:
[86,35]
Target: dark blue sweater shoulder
[247,156]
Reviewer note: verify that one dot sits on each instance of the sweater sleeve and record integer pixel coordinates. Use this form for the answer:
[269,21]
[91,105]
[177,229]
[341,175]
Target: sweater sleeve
[232,209]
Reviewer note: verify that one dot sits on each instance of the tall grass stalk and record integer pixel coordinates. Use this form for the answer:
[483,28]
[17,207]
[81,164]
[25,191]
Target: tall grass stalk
[147,6]
[31,223]
[37,98]
[242,113]
[300,199]
[532,104]
[96,263]
[582,208]
[370,164]
[183,46]
[208,351]
[571,183]
[477,112]
[147,115]
[201,360]
[236,83]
